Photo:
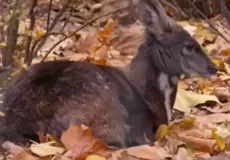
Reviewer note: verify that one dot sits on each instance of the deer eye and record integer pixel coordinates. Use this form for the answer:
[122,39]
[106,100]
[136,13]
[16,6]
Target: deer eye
[189,47]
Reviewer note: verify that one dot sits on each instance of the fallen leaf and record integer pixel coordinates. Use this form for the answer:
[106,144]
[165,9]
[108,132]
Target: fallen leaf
[187,99]
[107,30]
[45,149]
[225,108]
[227,67]
[183,154]
[81,141]
[225,51]
[12,148]
[2,114]
[187,122]
[213,118]
[205,34]
[145,152]
[22,27]
[39,33]
[3,44]
[95,157]
[219,140]
[173,144]
[24,156]
[223,129]
[162,131]
[198,143]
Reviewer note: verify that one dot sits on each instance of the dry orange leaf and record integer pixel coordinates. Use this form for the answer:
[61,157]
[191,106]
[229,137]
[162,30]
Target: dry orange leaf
[198,143]
[81,141]
[106,31]
[100,61]
[226,51]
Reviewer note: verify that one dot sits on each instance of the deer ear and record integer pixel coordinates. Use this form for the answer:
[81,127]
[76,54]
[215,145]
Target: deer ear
[154,18]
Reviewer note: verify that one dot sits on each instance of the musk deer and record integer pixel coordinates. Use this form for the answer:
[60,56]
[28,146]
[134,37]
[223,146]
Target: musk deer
[122,109]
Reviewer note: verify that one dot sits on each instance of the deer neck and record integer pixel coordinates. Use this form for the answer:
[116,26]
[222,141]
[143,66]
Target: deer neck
[158,88]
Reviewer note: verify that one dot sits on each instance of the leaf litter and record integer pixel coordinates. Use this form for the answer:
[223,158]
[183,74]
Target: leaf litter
[203,131]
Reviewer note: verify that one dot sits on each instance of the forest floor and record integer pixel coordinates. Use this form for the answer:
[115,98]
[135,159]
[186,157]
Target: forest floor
[201,130]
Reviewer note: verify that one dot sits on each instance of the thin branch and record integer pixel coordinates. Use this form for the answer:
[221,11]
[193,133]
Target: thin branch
[166,3]
[31,28]
[67,20]
[48,18]
[209,22]
[224,10]
[180,9]
[60,13]
[80,28]
[2,21]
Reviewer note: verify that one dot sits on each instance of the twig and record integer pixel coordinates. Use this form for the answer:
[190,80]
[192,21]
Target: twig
[67,20]
[176,7]
[48,18]
[60,13]
[209,22]
[39,43]
[2,20]
[31,28]
[80,28]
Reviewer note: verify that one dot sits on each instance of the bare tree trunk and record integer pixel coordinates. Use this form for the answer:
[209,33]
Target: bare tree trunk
[12,35]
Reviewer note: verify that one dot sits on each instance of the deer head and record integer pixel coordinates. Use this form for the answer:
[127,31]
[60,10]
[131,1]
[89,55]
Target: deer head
[168,46]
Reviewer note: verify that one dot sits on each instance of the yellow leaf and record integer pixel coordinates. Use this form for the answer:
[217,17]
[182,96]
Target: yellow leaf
[96,48]
[39,33]
[204,49]
[219,140]
[2,114]
[162,131]
[19,44]
[54,139]
[3,44]
[95,157]
[186,99]
[207,34]
[217,62]
[187,122]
